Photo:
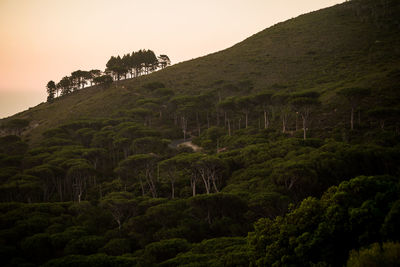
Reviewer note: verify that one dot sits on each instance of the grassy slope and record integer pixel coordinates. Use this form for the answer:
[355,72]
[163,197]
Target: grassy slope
[325,51]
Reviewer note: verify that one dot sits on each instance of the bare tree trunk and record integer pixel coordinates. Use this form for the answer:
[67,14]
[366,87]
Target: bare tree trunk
[284,123]
[225,119]
[205,181]
[142,187]
[214,184]
[198,123]
[265,120]
[229,127]
[208,121]
[247,119]
[304,127]
[217,112]
[193,185]
[352,119]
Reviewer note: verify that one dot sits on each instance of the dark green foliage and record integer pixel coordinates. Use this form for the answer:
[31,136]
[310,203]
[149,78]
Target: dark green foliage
[222,251]
[15,126]
[105,81]
[38,247]
[12,145]
[175,168]
[166,249]
[354,211]
[117,246]
[386,254]
[153,86]
[84,245]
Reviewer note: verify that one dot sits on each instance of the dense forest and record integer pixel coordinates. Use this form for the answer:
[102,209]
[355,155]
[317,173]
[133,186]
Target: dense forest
[266,154]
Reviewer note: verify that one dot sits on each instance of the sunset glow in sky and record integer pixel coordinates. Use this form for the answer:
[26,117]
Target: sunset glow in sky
[42,40]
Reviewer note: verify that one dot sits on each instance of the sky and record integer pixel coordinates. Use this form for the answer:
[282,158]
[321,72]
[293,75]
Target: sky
[43,40]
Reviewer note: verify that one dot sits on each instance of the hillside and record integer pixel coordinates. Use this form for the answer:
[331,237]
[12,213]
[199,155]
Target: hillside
[283,150]
[325,51]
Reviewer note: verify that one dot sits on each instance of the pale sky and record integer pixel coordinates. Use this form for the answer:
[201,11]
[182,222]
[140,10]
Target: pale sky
[42,40]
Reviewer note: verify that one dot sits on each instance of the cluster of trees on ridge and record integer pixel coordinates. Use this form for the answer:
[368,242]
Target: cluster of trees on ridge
[135,64]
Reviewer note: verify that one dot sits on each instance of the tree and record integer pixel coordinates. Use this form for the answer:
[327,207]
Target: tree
[228,105]
[381,114]
[76,78]
[51,90]
[303,104]
[174,167]
[297,177]
[164,61]
[79,173]
[125,62]
[245,105]
[65,85]
[354,96]
[116,66]
[211,169]
[136,62]
[93,75]
[280,100]
[141,113]
[185,163]
[105,81]
[150,61]
[139,167]
[80,77]
[121,205]
[264,100]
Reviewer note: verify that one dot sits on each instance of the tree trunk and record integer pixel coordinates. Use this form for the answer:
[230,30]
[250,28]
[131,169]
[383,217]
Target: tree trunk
[247,119]
[304,127]
[142,187]
[217,112]
[225,118]
[193,185]
[184,128]
[214,184]
[198,123]
[205,181]
[283,123]
[265,120]
[352,119]
[172,190]
[229,127]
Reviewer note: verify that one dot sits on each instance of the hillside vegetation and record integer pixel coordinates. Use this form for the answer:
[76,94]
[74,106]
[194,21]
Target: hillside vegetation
[297,156]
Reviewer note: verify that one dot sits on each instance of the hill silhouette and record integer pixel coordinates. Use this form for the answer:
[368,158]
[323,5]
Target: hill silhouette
[283,150]
[328,50]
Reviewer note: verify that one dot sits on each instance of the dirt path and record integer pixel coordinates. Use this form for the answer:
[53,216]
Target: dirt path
[188,143]
[191,145]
